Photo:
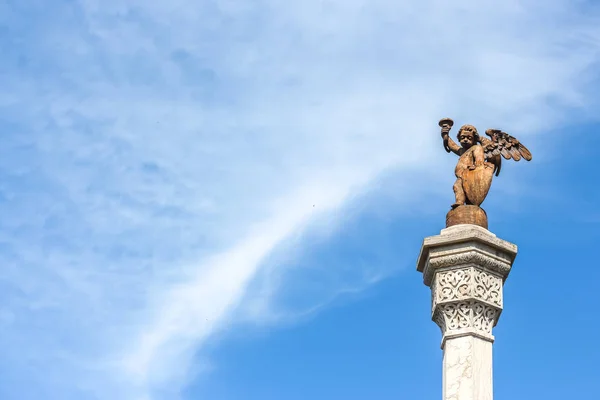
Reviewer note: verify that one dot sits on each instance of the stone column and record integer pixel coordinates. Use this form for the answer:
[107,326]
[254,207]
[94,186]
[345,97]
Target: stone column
[465,267]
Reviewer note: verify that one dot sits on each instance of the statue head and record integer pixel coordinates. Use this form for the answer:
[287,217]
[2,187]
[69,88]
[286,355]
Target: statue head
[467,136]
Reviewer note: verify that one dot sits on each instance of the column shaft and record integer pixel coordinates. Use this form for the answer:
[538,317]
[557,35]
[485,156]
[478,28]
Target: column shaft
[467,369]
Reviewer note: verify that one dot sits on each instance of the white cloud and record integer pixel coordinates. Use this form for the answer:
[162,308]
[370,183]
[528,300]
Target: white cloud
[169,147]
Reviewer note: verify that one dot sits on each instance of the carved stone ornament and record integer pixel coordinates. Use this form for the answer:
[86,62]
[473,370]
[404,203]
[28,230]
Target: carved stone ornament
[465,268]
[466,317]
[466,283]
[466,300]
[465,244]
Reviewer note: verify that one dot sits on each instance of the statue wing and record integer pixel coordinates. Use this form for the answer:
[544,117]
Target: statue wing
[505,145]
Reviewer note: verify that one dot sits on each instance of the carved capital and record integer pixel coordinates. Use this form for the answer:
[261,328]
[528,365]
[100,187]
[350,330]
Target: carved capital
[466,300]
[465,268]
[466,318]
[463,245]
[472,282]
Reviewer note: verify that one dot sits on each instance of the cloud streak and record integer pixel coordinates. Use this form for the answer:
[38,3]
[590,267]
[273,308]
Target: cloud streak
[158,153]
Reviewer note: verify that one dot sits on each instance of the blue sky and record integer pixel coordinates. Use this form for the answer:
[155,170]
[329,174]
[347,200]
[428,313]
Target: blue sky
[225,199]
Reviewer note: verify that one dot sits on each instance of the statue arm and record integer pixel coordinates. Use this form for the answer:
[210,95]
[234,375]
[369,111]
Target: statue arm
[451,144]
[479,156]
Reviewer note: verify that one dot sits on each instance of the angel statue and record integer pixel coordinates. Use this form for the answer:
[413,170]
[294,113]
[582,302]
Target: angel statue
[480,158]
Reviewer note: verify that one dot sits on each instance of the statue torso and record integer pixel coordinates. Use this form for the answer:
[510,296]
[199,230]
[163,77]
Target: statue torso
[465,161]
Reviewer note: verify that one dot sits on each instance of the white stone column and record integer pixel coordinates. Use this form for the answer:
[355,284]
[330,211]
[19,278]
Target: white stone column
[465,267]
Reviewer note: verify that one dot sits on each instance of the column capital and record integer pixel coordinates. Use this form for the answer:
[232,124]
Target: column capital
[465,267]
[462,245]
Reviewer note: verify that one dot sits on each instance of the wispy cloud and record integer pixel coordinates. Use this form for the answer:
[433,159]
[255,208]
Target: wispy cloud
[156,153]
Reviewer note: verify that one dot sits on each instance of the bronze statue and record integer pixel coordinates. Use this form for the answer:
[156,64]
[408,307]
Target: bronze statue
[479,159]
